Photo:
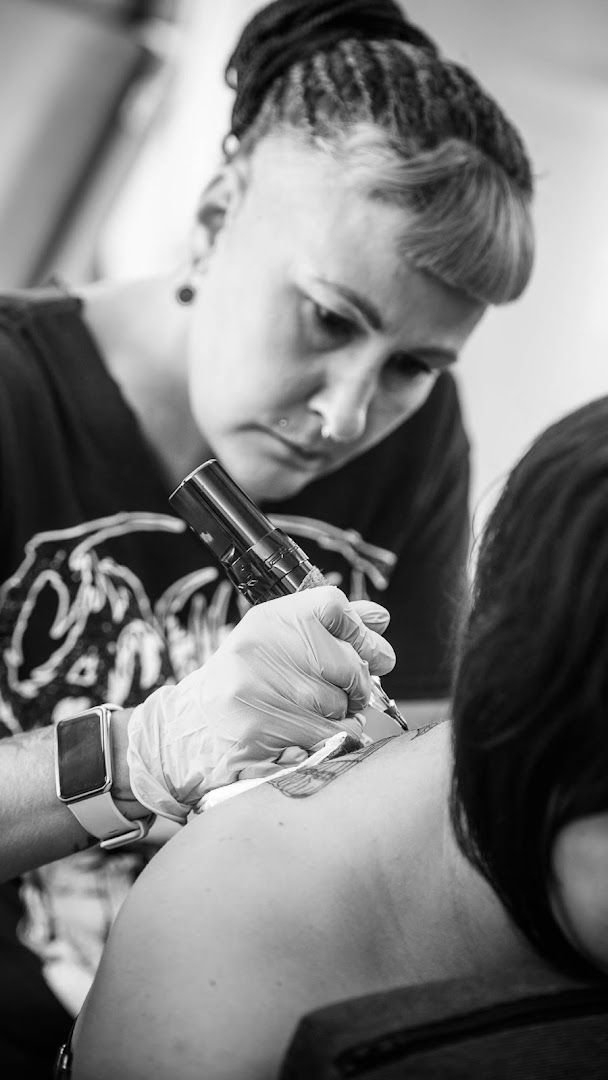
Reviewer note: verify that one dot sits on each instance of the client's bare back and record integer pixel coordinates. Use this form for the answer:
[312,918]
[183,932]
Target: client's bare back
[342,878]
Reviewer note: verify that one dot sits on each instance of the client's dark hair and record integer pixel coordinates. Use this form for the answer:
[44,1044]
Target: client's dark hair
[531,693]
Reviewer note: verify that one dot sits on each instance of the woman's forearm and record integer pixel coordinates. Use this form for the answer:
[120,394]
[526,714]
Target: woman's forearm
[35,826]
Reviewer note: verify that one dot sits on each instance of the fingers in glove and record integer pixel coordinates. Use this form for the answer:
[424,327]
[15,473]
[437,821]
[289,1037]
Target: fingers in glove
[354,726]
[330,608]
[292,755]
[259,769]
[343,668]
[336,613]
[373,615]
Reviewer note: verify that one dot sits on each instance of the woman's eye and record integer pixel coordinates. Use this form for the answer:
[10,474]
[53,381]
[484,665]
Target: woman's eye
[407,366]
[328,323]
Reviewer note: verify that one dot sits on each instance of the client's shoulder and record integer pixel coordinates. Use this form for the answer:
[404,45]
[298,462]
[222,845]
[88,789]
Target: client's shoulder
[260,910]
[392,771]
[395,769]
[368,772]
[318,828]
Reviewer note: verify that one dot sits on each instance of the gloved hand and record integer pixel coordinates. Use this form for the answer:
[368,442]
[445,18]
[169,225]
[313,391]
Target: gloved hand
[292,672]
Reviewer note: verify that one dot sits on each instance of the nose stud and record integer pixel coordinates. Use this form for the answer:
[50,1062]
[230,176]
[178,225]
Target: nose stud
[326,432]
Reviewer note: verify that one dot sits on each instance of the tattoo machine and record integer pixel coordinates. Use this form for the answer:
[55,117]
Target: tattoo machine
[261,561]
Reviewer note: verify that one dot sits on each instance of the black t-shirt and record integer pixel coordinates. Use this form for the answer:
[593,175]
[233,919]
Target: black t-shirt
[105,594]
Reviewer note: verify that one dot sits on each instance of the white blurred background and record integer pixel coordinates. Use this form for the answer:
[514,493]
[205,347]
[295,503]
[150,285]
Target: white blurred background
[545,60]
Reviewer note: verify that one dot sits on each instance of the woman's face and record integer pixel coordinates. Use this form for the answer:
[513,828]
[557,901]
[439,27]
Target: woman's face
[311,338]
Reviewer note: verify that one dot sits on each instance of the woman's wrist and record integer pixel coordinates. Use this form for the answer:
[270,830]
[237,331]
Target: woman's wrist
[121,784]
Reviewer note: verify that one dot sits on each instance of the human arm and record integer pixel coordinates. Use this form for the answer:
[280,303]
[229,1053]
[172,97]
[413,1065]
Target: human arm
[36,827]
[291,673]
[287,676]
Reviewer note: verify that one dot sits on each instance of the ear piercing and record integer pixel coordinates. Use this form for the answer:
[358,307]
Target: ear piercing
[185,294]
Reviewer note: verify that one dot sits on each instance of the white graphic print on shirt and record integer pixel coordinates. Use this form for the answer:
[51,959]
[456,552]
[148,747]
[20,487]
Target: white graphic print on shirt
[77,627]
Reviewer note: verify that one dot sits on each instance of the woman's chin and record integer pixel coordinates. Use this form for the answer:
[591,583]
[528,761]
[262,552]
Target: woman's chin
[265,481]
[270,486]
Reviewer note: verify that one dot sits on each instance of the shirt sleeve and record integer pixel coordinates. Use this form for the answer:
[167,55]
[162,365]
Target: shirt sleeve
[428,586]
[11,420]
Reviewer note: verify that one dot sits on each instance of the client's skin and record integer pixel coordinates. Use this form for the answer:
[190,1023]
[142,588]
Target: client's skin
[351,877]
[285,899]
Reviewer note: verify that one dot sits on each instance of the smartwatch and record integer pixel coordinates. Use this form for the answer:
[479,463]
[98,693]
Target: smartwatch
[83,777]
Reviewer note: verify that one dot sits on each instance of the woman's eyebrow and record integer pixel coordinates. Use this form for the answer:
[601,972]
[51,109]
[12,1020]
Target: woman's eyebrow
[364,306]
[438,355]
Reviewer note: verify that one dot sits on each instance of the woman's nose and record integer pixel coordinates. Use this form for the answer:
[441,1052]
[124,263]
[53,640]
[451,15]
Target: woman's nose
[343,403]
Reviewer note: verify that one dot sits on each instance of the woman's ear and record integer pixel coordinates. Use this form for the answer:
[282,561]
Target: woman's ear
[218,204]
[580,861]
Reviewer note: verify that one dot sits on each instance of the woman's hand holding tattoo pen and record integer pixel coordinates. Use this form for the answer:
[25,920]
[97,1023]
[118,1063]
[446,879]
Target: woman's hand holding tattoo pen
[293,672]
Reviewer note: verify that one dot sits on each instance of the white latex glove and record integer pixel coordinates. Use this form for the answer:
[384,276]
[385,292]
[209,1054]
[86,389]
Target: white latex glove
[292,672]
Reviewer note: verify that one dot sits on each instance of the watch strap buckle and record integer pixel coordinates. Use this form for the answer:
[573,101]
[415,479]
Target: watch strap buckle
[140,829]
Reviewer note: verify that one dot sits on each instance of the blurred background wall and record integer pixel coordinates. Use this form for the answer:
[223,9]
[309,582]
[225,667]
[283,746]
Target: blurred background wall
[546,61]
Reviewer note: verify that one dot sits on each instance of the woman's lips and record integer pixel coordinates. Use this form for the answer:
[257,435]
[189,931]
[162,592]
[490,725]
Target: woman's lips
[308,453]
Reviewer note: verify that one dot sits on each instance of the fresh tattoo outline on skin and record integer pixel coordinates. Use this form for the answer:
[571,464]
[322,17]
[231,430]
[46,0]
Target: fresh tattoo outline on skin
[309,779]
[424,728]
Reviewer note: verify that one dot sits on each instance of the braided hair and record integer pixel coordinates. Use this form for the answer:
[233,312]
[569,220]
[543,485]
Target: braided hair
[355,77]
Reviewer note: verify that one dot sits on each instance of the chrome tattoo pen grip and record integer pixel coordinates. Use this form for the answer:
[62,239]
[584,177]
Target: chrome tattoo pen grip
[261,561]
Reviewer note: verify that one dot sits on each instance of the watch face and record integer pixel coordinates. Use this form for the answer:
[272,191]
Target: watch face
[82,766]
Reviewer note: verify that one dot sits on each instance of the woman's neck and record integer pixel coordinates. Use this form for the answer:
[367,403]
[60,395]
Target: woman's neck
[141,333]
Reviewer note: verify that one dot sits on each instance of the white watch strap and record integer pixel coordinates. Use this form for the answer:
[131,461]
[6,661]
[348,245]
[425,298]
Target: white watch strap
[100,816]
